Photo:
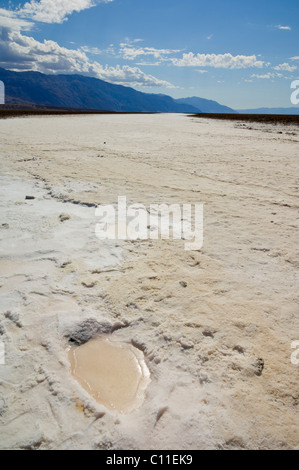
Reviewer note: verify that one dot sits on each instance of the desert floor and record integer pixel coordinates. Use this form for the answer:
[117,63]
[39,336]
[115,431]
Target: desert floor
[216,326]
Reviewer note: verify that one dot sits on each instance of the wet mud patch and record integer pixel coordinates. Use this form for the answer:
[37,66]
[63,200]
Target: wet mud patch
[114,373]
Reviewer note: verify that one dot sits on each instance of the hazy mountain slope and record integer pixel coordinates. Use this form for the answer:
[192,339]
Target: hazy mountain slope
[206,106]
[76,91]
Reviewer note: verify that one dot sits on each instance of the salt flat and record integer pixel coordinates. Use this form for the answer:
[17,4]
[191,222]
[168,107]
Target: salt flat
[215,325]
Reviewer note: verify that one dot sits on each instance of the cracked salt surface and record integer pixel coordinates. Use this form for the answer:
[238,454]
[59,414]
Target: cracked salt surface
[43,219]
[215,326]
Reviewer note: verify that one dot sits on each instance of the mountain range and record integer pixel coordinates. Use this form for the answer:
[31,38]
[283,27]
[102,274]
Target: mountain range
[77,91]
[81,92]
[206,106]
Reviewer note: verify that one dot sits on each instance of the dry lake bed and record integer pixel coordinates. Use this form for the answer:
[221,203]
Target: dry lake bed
[208,333]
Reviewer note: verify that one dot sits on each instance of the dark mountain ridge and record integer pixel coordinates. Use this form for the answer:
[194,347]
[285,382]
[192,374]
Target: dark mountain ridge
[206,106]
[78,91]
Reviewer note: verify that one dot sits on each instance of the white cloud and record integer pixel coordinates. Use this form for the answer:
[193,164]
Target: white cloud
[226,61]
[129,52]
[286,67]
[55,11]
[294,58]
[19,52]
[201,71]
[132,41]
[130,76]
[9,19]
[284,28]
[266,76]
[91,50]
[151,64]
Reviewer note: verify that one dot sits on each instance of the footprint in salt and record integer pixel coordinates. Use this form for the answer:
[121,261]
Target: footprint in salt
[114,373]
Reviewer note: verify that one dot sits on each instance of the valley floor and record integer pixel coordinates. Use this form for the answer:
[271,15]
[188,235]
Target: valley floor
[216,325]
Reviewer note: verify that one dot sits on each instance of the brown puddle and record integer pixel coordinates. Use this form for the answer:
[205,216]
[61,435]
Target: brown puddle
[114,373]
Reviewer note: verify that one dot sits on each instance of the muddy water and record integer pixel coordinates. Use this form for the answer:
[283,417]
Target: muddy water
[114,373]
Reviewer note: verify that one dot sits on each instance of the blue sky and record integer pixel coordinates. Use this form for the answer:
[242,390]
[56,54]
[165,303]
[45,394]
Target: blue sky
[242,54]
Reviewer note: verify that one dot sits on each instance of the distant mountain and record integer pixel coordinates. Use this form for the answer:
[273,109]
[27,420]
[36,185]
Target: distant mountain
[206,106]
[76,91]
[292,111]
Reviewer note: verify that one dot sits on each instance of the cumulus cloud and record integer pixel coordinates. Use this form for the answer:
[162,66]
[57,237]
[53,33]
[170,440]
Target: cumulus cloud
[286,67]
[265,76]
[226,61]
[9,19]
[269,75]
[284,28]
[91,50]
[151,64]
[19,52]
[127,75]
[55,11]
[130,52]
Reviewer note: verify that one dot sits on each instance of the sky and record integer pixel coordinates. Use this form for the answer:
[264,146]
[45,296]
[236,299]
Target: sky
[241,54]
